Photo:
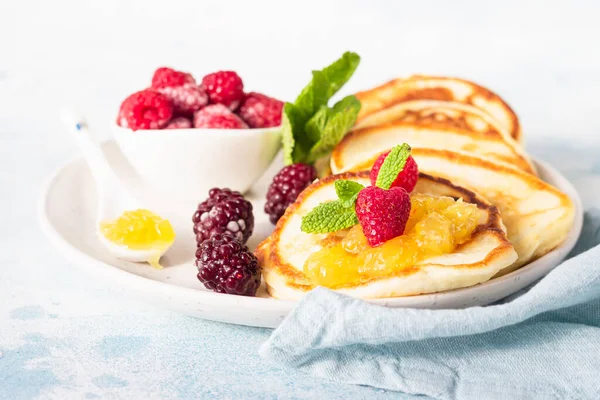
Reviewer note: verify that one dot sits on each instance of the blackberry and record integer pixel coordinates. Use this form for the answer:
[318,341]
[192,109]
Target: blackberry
[227,266]
[285,188]
[225,211]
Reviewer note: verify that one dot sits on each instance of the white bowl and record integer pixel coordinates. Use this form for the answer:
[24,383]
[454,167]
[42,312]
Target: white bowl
[186,163]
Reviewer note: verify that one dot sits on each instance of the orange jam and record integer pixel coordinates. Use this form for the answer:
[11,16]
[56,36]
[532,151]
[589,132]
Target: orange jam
[140,230]
[435,227]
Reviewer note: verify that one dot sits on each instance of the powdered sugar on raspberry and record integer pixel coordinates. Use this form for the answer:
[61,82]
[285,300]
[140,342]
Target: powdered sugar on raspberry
[187,98]
[121,119]
[260,111]
[146,109]
[168,77]
[224,87]
[179,123]
[217,116]
[174,92]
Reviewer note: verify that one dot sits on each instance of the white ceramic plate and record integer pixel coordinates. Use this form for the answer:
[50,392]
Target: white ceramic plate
[67,210]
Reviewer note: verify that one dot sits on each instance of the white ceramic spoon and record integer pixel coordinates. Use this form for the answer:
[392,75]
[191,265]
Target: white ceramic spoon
[113,197]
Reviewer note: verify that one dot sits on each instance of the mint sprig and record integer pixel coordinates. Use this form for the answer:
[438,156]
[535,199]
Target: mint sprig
[392,165]
[332,124]
[347,191]
[292,149]
[310,128]
[334,215]
[340,214]
[329,217]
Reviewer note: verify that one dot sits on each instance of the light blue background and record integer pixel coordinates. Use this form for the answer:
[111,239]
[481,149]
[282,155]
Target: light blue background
[63,335]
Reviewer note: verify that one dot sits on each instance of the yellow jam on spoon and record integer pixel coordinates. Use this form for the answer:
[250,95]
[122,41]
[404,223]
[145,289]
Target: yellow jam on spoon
[436,226]
[141,230]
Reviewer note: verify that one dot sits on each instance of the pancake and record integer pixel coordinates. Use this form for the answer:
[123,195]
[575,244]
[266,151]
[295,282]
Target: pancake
[488,251]
[397,110]
[420,87]
[537,215]
[423,124]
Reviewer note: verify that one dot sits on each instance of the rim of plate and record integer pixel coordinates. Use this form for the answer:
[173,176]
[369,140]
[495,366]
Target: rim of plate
[75,256]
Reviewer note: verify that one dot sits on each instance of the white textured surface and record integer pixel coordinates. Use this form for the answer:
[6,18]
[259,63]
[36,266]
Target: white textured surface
[66,336]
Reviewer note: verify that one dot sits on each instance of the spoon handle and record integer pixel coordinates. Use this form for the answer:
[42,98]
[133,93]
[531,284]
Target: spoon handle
[99,166]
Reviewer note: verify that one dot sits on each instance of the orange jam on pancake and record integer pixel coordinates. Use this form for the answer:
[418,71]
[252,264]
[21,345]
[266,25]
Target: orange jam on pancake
[436,226]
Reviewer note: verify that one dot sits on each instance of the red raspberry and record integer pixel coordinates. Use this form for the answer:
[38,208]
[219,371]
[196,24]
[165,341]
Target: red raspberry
[260,111]
[224,87]
[407,178]
[146,110]
[382,213]
[181,88]
[168,77]
[179,123]
[121,119]
[217,116]
[187,98]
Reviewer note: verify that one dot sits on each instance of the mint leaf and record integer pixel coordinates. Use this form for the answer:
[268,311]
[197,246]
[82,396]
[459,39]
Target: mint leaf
[312,97]
[347,191]
[315,126]
[392,166]
[341,71]
[287,135]
[329,217]
[308,116]
[326,83]
[334,215]
[333,124]
[294,141]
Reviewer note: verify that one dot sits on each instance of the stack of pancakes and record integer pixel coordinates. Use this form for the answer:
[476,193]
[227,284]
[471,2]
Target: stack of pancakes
[465,140]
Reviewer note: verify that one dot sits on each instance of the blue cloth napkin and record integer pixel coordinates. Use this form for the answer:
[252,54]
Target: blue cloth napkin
[542,344]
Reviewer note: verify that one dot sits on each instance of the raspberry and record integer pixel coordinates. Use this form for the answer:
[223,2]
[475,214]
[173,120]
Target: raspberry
[179,123]
[217,116]
[121,119]
[382,213]
[260,111]
[181,89]
[407,178]
[187,98]
[224,87]
[285,188]
[224,211]
[227,266]
[168,77]
[146,109]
